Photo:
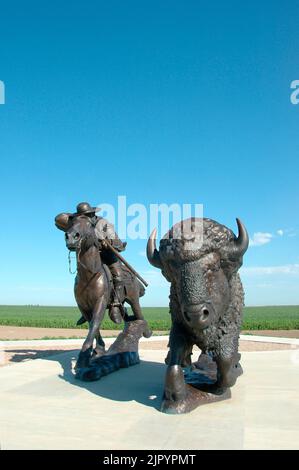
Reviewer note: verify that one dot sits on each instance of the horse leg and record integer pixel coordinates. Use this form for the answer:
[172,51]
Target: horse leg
[134,303]
[86,350]
[84,316]
[99,350]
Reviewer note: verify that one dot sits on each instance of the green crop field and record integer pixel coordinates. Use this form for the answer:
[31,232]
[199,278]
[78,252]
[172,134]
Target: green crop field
[285,317]
[255,318]
[66,317]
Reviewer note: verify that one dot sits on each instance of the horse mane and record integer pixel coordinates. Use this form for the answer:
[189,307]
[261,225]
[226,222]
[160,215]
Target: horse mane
[89,240]
[92,261]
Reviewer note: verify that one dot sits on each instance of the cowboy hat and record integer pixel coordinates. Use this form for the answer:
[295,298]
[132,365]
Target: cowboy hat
[85,208]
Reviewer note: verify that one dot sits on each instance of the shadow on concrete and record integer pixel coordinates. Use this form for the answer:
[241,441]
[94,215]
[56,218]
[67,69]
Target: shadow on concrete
[142,383]
[21,355]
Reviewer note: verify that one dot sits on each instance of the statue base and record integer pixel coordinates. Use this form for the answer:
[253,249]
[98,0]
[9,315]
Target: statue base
[200,379]
[122,353]
[194,398]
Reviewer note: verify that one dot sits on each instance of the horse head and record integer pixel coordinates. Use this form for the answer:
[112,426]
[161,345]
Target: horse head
[80,234]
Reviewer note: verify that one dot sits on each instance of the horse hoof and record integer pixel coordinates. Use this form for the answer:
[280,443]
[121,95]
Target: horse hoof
[81,321]
[98,352]
[83,359]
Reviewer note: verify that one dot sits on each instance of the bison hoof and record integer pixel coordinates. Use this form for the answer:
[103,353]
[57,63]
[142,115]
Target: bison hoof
[229,379]
[175,387]
[215,389]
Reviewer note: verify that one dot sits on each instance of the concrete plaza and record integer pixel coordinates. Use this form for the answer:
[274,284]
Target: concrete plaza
[42,406]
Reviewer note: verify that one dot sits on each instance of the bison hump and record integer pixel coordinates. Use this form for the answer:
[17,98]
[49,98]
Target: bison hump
[191,238]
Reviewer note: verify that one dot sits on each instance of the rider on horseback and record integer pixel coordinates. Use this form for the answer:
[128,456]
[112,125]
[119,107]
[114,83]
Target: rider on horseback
[104,230]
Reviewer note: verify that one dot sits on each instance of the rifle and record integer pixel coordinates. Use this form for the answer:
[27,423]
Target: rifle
[122,259]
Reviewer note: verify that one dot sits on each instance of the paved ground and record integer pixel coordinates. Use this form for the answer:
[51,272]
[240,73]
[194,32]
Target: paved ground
[42,406]
[25,332]
[10,355]
[43,409]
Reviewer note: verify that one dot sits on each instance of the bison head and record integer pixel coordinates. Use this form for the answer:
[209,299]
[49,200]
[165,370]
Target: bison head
[200,272]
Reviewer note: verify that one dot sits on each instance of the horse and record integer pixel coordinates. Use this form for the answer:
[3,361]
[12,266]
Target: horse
[93,287]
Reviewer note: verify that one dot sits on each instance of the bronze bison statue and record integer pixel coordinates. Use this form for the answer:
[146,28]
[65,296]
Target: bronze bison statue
[201,259]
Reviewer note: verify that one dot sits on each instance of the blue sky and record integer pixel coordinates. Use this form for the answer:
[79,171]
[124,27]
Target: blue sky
[161,101]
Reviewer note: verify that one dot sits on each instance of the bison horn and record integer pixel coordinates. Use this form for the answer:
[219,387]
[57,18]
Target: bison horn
[151,250]
[240,243]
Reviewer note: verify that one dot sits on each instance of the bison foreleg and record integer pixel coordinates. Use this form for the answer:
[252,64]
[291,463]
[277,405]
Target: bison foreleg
[228,370]
[175,387]
[227,360]
[225,376]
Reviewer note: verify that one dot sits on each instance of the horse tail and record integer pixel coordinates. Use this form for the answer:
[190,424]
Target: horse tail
[141,289]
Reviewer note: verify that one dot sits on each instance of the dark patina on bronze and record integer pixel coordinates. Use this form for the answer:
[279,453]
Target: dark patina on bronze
[96,290]
[206,303]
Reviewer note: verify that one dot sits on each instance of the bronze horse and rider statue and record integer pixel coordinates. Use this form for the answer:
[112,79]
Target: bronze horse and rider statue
[206,302]
[104,280]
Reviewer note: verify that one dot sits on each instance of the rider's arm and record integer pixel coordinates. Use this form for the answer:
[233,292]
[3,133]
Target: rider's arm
[105,230]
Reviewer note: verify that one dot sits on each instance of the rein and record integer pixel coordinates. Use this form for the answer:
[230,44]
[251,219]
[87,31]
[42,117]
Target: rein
[94,275]
[70,264]
[78,262]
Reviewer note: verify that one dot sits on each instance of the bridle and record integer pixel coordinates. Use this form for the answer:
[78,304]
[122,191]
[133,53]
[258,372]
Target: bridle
[94,275]
[78,251]
[70,264]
